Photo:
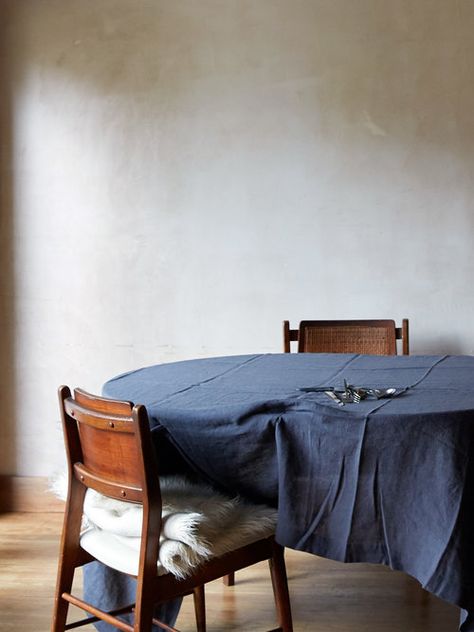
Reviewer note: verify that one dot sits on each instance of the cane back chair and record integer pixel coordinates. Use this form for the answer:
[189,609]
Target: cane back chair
[375,337]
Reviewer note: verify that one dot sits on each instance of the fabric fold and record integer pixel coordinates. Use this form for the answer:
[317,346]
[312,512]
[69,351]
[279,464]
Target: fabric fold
[198,522]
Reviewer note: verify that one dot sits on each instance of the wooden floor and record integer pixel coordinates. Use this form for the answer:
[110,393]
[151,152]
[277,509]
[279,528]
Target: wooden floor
[326,596]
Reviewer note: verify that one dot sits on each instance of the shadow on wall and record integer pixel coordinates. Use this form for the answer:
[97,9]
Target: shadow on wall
[184,94]
[7,305]
[373,74]
[372,95]
[442,345]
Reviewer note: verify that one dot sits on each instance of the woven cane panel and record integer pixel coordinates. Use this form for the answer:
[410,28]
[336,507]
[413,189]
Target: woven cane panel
[348,339]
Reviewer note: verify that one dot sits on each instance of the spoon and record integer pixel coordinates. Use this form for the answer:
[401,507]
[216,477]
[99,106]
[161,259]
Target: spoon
[380,393]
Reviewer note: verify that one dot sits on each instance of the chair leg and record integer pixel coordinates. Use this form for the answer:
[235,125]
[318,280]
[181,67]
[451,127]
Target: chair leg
[229,580]
[200,608]
[280,588]
[61,606]
[144,607]
[69,552]
[68,556]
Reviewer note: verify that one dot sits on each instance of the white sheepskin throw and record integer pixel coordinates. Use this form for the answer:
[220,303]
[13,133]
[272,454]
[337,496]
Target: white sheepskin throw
[197,522]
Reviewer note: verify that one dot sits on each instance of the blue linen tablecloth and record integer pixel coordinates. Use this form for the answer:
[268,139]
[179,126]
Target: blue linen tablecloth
[383,481]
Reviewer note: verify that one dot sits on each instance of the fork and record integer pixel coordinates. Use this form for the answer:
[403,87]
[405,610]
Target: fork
[351,394]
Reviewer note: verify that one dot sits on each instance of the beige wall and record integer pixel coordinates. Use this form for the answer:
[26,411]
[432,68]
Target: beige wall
[179,176]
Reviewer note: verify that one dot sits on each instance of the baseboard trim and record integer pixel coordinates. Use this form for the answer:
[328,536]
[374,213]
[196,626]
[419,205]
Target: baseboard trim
[29,494]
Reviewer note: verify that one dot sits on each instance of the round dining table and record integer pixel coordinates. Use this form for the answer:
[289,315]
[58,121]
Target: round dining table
[384,480]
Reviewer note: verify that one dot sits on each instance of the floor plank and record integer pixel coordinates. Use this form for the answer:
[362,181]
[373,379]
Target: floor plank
[326,596]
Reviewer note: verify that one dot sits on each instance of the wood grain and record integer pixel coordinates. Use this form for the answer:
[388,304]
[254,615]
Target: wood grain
[326,596]
[376,337]
[27,493]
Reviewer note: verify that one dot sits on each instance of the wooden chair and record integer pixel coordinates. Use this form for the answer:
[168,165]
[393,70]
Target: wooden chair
[374,337]
[109,449]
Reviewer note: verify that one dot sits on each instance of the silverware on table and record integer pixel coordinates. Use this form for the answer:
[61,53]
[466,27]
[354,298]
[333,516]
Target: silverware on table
[332,395]
[316,389]
[381,393]
[350,394]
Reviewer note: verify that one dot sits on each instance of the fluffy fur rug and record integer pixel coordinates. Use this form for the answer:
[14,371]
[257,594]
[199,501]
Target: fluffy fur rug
[198,522]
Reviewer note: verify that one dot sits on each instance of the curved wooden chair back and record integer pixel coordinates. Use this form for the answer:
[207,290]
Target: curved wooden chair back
[109,448]
[374,337]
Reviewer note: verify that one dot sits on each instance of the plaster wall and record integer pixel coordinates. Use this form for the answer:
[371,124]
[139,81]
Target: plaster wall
[178,177]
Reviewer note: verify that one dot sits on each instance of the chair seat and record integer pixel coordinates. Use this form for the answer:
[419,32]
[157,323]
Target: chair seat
[198,523]
[116,551]
[122,552]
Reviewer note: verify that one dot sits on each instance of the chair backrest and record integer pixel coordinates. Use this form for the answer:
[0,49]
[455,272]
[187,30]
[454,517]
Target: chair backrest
[109,447]
[374,337]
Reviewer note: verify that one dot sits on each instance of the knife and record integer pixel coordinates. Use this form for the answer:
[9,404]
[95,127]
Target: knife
[316,389]
[334,397]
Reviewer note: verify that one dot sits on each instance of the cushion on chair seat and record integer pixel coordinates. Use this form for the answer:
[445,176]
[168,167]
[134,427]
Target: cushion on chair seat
[122,553]
[197,523]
